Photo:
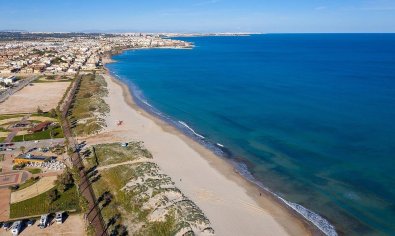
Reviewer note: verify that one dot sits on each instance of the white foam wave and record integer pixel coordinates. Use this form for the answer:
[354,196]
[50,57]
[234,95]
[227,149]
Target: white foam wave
[218,144]
[146,103]
[189,128]
[320,222]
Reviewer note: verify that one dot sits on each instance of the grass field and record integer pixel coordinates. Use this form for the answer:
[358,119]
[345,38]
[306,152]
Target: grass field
[3,117]
[56,133]
[89,105]
[53,79]
[38,205]
[28,183]
[34,170]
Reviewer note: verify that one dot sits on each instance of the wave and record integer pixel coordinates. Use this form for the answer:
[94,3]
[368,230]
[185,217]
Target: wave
[320,222]
[192,130]
[219,149]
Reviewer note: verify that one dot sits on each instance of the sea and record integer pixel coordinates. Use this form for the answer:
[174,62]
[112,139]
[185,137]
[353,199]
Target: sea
[309,117]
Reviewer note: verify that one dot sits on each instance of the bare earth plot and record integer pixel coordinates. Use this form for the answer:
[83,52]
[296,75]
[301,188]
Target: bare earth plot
[44,95]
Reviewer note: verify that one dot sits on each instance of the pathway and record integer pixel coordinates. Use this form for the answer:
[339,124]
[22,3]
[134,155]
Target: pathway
[14,131]
[4,204]
[43,185]
[124,163]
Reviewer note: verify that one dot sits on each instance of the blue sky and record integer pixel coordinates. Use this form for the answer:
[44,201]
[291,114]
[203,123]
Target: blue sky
[266,16]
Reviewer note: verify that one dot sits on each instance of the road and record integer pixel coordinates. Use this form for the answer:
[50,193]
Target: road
[34,144]
[22,83]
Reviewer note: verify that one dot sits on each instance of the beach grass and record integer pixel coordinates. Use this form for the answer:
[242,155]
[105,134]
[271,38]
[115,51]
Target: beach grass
[88,106]
[107,154]
[134,185]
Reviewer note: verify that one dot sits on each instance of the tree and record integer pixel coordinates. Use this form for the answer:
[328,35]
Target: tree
[22,148]
[62,187]
[39,111]
[52,195]
[53,113]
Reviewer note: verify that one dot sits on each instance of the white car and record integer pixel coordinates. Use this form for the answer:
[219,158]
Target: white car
[43,221]
[59,217]
[16,227]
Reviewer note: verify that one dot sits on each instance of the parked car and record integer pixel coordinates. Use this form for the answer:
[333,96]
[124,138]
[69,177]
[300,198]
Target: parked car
[6,225]
[16,227]
[43,221]
[30,222]
[59,217]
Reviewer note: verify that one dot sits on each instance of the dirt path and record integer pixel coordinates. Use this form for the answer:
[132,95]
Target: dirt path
[43,185]
[124,163]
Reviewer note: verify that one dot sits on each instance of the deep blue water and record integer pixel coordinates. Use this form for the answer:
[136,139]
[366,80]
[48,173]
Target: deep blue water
[312,115]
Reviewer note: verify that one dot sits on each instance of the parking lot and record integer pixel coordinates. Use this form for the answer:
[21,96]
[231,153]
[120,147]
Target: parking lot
[73,225]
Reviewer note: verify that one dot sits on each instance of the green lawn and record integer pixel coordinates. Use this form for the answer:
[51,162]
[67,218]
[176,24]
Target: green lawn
[27,183]
[38,205]
[34,170]
[57,133]
[3,117]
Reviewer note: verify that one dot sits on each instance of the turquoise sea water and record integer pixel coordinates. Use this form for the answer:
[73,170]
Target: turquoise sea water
[312,116]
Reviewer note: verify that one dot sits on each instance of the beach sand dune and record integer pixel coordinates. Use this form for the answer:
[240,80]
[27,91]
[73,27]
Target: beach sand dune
[233,205]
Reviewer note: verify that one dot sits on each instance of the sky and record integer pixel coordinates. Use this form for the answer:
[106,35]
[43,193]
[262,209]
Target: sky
[190,16]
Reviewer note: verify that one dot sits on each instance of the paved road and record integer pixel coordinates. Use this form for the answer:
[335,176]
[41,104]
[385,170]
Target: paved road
[34,144]
[22,83]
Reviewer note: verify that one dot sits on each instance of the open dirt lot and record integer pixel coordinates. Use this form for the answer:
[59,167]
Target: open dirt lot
[44,95]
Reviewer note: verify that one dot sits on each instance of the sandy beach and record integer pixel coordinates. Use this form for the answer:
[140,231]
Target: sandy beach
[232,204]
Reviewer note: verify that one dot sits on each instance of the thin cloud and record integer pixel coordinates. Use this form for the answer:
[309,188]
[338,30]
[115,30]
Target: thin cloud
[320,8]
[206,2]
[378,8]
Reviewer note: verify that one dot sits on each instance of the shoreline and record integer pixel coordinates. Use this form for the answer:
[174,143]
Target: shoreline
[291,221]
